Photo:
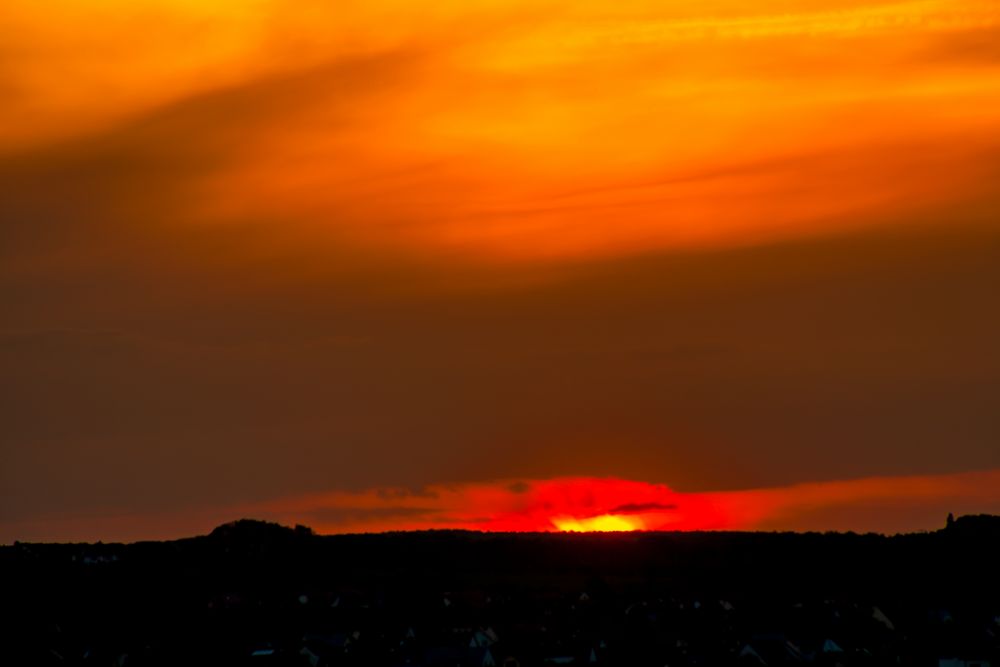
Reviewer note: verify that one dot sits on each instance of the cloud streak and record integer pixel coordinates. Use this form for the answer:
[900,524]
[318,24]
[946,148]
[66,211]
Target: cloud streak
[463,130]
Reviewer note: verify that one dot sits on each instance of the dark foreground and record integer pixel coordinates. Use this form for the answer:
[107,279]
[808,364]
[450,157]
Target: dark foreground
[259,594]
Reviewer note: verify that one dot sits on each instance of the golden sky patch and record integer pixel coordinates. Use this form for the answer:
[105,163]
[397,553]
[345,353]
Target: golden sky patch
[517,130]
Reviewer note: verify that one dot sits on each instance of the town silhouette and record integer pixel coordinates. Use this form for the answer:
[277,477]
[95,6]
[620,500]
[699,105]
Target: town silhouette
[256,593]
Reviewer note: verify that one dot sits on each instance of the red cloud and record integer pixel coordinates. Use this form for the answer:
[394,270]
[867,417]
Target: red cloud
[882,504]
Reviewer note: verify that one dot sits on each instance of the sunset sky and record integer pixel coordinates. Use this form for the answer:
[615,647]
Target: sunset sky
[498,264]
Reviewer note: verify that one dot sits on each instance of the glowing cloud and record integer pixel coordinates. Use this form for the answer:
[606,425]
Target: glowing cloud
[586,504]
[524,130]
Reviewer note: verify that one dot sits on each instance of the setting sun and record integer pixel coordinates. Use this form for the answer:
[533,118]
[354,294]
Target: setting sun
[606,523]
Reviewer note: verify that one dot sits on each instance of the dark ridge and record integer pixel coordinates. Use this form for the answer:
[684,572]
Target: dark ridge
[975,525]
[252,530]
[257,593]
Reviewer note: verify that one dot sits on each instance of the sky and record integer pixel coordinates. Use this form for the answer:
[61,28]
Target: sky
[498,264]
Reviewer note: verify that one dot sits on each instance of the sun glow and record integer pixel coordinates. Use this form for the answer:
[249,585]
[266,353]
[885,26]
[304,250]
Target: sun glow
[606,523]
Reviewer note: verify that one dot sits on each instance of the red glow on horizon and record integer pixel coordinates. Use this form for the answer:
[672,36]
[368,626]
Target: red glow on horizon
[582,504]
[577,504]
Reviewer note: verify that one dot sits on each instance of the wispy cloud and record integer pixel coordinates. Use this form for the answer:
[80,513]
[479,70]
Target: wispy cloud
[460,130]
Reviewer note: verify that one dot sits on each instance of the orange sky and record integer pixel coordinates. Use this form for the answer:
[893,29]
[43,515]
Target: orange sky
[518,130]
[254,250]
